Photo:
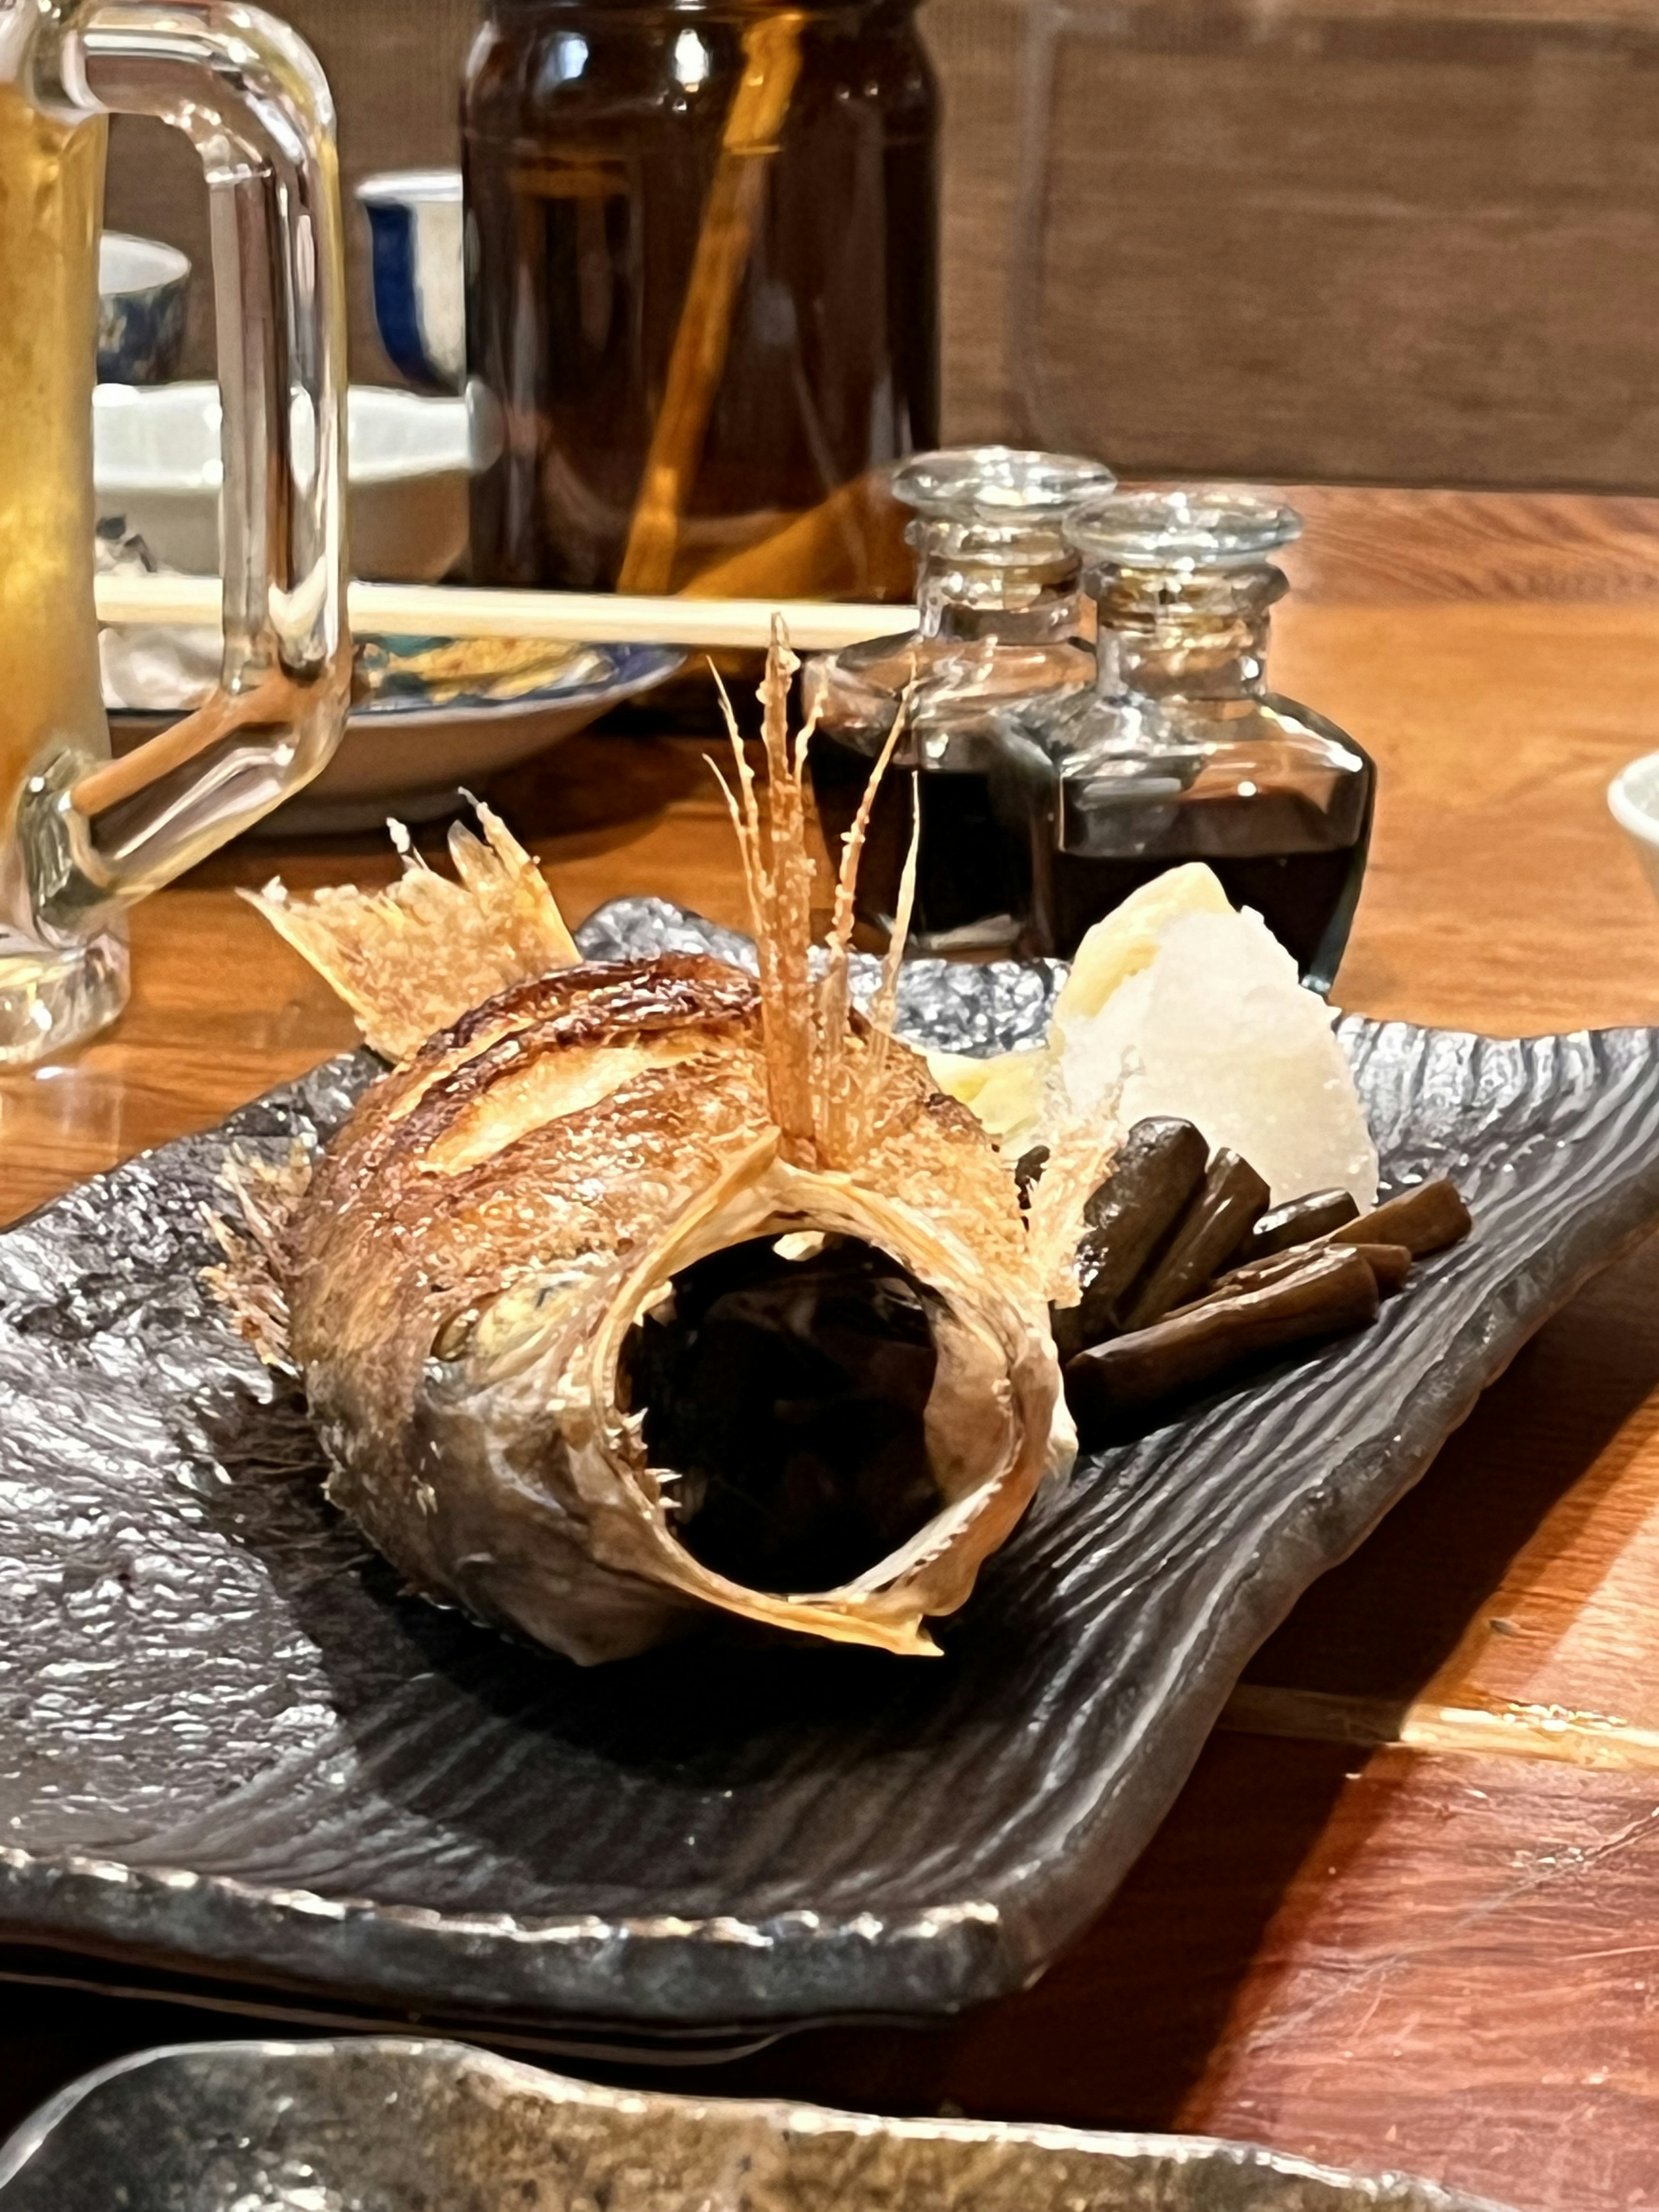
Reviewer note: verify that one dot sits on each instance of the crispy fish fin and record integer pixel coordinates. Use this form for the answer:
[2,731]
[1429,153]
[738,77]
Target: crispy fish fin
[825,1076]
[410,959]
[1076,1167]
[248,1281]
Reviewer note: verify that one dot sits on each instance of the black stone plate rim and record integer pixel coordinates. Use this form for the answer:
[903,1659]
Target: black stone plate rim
[574,1969]
[63,2119]
[312,2013]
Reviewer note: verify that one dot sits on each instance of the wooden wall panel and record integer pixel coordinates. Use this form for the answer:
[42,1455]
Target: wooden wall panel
[1308,240]
[1345,239]
[976,46]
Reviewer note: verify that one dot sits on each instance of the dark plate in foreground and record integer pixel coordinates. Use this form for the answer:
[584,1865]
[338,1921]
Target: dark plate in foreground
[384,2125]
[229,1744]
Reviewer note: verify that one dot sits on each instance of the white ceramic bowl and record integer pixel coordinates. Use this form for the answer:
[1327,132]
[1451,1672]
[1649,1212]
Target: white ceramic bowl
[156,465]
[1633,800]
[401,755]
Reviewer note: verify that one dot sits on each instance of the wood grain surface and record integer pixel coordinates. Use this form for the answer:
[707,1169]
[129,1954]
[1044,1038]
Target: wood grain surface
[1406,240]
[1440,1964]
[1407,1911]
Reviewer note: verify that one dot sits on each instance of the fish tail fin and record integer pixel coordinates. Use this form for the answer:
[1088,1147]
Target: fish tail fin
[411,958]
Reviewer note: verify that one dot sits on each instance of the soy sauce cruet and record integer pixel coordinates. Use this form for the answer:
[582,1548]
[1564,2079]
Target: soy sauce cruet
[1001,617]
[1181,751]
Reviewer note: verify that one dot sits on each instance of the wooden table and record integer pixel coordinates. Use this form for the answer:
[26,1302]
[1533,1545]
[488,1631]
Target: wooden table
[1407,1911]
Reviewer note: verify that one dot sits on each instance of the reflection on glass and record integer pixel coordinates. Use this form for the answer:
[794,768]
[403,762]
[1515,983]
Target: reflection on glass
[1180,752]
[702,292]
[1001,617]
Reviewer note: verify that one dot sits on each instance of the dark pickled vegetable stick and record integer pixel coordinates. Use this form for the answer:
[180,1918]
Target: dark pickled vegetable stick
[1298,1222]
[1176,1358]
[1389,1263]
[1158,1167]
[1425,1218]
[1253,1275]
[1228,1203]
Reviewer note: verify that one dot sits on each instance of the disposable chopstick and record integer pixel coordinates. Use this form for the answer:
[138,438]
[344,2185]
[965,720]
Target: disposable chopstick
[574,617]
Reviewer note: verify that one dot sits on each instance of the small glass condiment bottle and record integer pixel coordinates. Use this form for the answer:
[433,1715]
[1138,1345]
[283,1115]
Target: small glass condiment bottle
[1180,752]
[1001,619]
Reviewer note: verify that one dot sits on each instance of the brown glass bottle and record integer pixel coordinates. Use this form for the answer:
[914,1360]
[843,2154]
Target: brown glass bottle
[602,141]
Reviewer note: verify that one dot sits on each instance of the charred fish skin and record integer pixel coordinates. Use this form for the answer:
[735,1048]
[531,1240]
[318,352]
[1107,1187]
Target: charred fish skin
[473,1252]
[442,1462]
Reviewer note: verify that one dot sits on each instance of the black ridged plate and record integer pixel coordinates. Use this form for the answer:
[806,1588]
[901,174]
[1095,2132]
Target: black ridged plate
[384,2125]
[229,1745]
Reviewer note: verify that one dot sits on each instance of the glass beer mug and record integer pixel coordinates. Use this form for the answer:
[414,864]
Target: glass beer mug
[82,835]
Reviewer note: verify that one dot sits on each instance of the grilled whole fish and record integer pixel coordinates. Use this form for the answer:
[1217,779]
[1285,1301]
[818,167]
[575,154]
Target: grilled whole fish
[646,1291]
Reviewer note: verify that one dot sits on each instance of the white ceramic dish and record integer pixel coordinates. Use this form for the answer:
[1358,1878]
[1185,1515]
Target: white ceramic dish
[156,465]
[402,755]
[1633,801]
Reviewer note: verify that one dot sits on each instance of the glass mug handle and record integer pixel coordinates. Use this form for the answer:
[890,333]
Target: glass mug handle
[95,835]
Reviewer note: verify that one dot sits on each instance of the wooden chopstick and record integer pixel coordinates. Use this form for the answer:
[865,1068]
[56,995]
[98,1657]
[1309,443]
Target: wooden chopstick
[575,617]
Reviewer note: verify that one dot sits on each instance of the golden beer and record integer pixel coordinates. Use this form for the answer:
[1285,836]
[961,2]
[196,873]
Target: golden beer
[51,192]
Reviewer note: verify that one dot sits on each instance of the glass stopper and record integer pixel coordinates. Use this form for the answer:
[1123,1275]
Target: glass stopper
[1204,526]
[997,483]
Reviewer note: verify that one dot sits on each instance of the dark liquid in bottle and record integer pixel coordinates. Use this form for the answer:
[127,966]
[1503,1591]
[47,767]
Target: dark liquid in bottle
[975,878]
[1298,895]
[1278,852]
[991,874]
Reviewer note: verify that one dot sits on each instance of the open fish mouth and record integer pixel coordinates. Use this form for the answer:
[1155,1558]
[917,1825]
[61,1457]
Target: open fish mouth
[636,1366]
[784,1398]
[821,1409]
[644,1292]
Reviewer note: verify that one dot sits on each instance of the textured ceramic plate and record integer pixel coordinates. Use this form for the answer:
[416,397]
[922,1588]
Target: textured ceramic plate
[388,2126]
[410,749]
[229,1744]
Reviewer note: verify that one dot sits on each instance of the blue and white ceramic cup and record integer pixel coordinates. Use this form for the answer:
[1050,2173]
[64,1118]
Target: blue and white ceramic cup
[420,302]
[143,291]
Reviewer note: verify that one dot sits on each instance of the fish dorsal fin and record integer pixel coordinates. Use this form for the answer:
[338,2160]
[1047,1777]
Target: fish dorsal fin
[824,1078]
[412,958]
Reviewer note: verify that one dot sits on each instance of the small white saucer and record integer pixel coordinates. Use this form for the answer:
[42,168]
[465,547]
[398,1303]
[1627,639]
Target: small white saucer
[405,753]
